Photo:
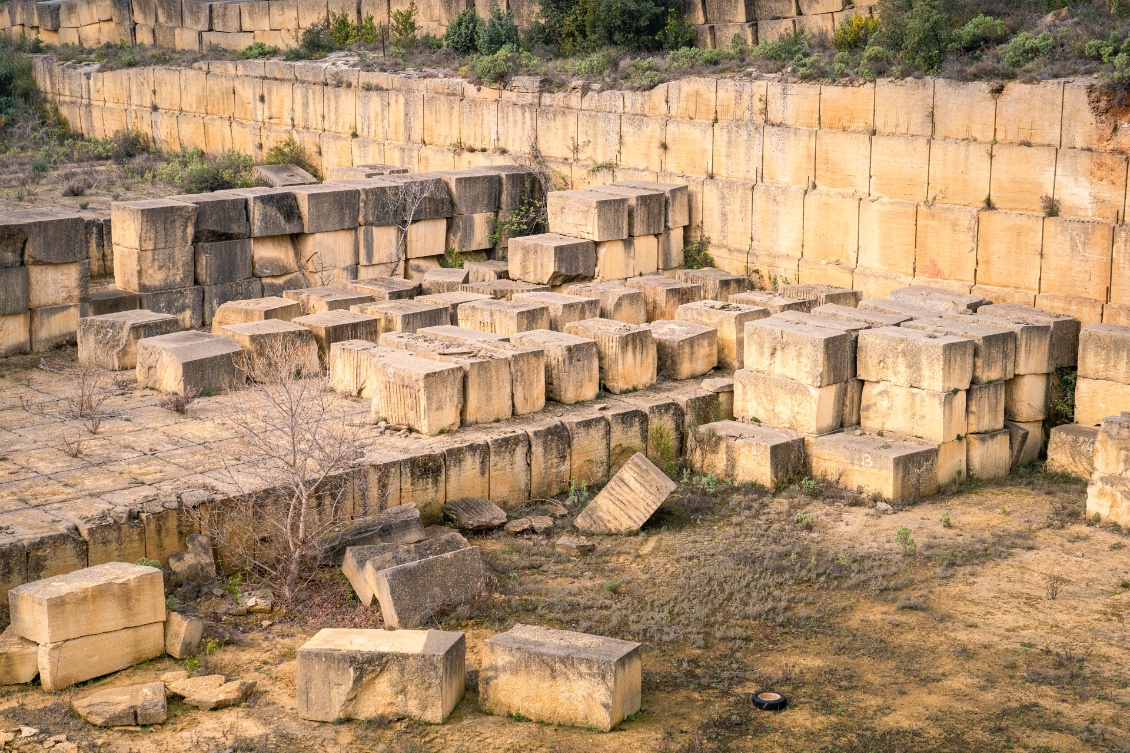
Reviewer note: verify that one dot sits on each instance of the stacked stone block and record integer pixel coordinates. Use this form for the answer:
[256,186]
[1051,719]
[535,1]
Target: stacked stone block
[154,256]
[1108,494]
[1103,385]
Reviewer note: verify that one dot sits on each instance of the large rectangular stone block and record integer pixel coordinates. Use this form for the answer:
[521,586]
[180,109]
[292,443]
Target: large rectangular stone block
[1096,399]
[255,310]
[425,395]
[1071,449]
[617,302]
[784,403]
[56,284]
[946,243]
[153,223]
[728,320]
[503,317]
[677,205]
[1076,260]
[325,298]
[994,348]
[911,358]
[76,660]
[988,455]
[1008,250]
[984,406]
[1026,397]
[628,358]
[1104,353]
[265,342]
[551,259]
[110,341]
[219,262]
[330,327]
[747,453]
[910,411]
[810,355]
[664,295]
[898,470]
[271,211]
[188,363]
[563,308]
[154,269]
[572,365]
[522,674]
[588,214]
[684,349]
[1034,353]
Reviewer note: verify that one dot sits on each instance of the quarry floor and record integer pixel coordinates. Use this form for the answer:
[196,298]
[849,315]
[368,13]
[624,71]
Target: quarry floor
[945,638]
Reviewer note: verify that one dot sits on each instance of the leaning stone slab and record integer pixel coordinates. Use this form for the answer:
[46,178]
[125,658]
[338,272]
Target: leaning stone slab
[747,453]
[110,341]
[19,658]
[362,564]
[628,500]
[940,299]
[1071,450]
[124,707]
[210,692]
[560,677]
[92,600]
[184,362]
[899,470]
[412,593]
[79,659]
[550,259]
[183,635]
[255,310]
[475,514]
[380,674]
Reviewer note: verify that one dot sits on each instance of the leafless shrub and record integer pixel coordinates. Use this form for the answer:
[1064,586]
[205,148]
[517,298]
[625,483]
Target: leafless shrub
[178,403]
[1053,582]
[299,446]
[88,388]
[72,444]
[78,185]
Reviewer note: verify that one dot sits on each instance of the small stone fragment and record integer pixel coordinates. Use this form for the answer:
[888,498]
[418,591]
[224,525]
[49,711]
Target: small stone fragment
[211,692]
[182,635]
[475,514]
[574,546]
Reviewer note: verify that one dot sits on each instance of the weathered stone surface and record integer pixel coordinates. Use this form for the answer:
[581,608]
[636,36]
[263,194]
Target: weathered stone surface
[219,262]
[150,224]
[536,524]
[684,349]
[89,601]
[988,455]
[1108,498]
[380,674]
[79,659]
[110,341]
[939,298]
[271,212]
[404,315]
[503,317]
[124,707]
[1104,353]
[426,396]
[453,301]
[562,308]
[1095,399]
[716,284]
[1071,450]
[330,327]
[1064,329]
[677,208]
[265,342]
[194,563]
[1112,446]
[210,692]
[899,470]
[220,216]
[475,514]
[1026,397]
[664,296]
[994,348]
[1034,353]
[385,288]
[19,658]
[628,500]
[327,207]
[822,294]
[523,671]
[929,360]
[361,564]
[908,310]
[728,320]
[747,453]
[503,290]
[647,210]
[572,364]
[627,353]
[859,315]
[183,635]
[149,270]
[399,524]
[810,355]
[443,280]
[588,214]
[42,236]
[472,191]
[929,414]
[188,362]
[617,302]
[256,310]
[412,593]
[326,298]
[573,546]
[489,270]
[785,403]
[775,302]
[284,175]
[984,407]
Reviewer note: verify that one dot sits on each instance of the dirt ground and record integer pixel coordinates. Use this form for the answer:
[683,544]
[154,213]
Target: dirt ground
[995,621]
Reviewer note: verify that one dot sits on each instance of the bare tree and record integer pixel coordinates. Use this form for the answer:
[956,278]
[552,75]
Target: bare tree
[404,207]
[293,458]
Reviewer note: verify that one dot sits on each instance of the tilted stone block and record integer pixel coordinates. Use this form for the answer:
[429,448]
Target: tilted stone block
[747,453]
[265,343]
[1026,440]
[153,223]
[628,358]
[785,403]
[811,355]
[572,364]
[563,308]
[361,563]
[330,327]
[522,672]
[899,470]
[663,295]
[772,301]
[188,363]
[396,524]
[327,207]
[220,216]
[503,317]
[412,593]
[647,210]
[1064,329]
[587,214]
[728,320]
[328,298]
[994,348]
[255,310]
[380,674]
[1071,450]
[426,396]
[363,171]
[617,302]
[912,358]
[551,259]
[628,500]
[110,301]
[684,349]
[110,341]
[183,635]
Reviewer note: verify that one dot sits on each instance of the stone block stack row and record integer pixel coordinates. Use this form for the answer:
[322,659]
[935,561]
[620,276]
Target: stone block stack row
[1108,494]
[44,278]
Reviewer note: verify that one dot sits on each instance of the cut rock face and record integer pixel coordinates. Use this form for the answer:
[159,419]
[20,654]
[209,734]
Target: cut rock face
[380,674]
[628,500]
[124,707]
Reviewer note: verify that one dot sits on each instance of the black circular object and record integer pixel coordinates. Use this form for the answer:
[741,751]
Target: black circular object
[769,700]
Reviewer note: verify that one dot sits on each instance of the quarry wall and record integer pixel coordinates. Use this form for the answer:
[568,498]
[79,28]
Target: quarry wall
[1016,192]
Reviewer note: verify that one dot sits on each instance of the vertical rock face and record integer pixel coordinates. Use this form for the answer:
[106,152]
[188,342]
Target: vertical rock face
[560,677]
[372,674]
[628,500]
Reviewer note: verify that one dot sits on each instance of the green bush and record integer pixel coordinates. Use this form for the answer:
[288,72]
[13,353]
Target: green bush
[676,32]
[463,33]
[854,34]
[18,92]
[499,31]
[1024,48]
[505,63]
[577,26]
[192,171]
[979,32]
[403,28]
[258,50]
[918,30]
[290,152]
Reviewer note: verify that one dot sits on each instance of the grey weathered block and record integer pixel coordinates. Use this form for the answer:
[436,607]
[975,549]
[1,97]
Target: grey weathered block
[223,261]
[326,298]
[330,327]
[412,593]
[327,207]
[472,191]
[271,211]
[255,310]
[14,289]
[220,216]
[150,224]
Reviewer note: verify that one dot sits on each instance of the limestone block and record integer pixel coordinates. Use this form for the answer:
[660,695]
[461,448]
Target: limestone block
[1008,250]
[551,259]
[19,658]
[1026,397]
[1022,113]
[994,348]
[747,453]
[1086,310]
[784,403]
[1076,258]
[521,674]
[323,253]
[182,635]
[617,302]
[964,111]
[425,395]
[810,355]
[321,299]
[42,236]
[509,466]
[1034,352]
[56,284]
[772,301]
[335,326]
[488,271]
[443,280]
[380,674]
[426,238]
[153,269]
[404,315]
[186,304]
[821,294]
[151,224]
[110,300]
[988,455]
[1095,399]
[1026,452]
[647,209]
[453,301]
[472,191]
[52,326]
[684,349]
[504,289]
[411,593]
[1108,498]
[385,288]
[664,295]
[628,500]
[223,261]
[110,341]
[898,470]
[946,243]
[14,293]
[188,363]
[716,284]
[929,414]
[503,317]
[1112,446]
[350,364]
[264,342]
[572,369]
[588,447]
[939,298]
[900,167]
[124,707]
[1071,450]
[857,315]
[562,308]
[1022,176]
[588,214]
[737,150]
[471,232]
[728,320]
[271,211]
[627,353]
[255,310]
[789,156]
[677,200]
[1104,353]
[616,260]
[689,146]
[1090,184]
[274,255]
[843,160]
[984,405]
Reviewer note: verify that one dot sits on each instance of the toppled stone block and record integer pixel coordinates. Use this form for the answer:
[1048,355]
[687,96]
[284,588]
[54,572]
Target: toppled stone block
[994,348]
[536,524]
[747,453]
[912,358]
[684,349]
[1071,450]
[585,214]
[475,514]
[412,593]
[574,546]
[928,414]
[822,294]
[550,259]
[254,310]
[327,298]
[79,659]
[628,500]
[1064,329]
[716,284]
[150,224]
[188,362]
[563,308]
[940,299]
[775,302]
[220,216]
[110,341]
[399,524]
[785,403]
[443,280]
[183,635]
[627,353]
[124,707]
[617,302]
[898,470]
[1104,353]
[89,601]
[380,674]
[210,692]
[385,288]
[362,564]
[647,210]
[426,396]
[1025,440]
[19,658]
[677,205]
[330,327]
[284,175]
[663,295]
[503,317]
[572,364]
[728,320]
[523,671]
[814,356]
